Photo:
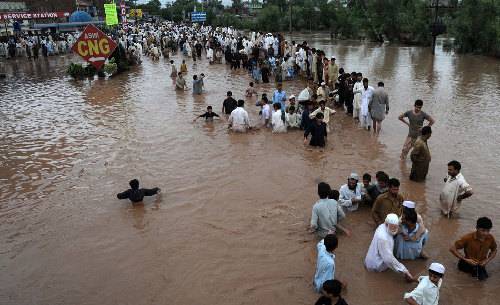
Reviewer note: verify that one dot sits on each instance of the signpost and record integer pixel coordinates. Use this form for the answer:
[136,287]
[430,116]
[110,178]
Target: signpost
[198,16]
[123,13]
[31,15]
[111,16]
[94,46]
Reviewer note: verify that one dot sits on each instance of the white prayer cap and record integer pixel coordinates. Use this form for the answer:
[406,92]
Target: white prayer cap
[323,83]
[291,97]
[392,219]
[353,176]
[437,267]
[409,204]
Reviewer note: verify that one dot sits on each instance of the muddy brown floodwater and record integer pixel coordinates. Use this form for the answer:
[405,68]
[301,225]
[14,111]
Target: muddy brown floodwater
[230,225]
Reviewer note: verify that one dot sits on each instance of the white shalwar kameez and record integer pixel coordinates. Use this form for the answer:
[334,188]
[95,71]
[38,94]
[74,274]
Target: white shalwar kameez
[210,55]
[239,120]
[426,293]
[380,255]
[365,120]
[357,90]
[453,187]
[278,124]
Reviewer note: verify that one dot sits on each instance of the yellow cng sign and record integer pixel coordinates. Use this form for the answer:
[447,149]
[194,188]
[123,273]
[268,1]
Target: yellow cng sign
[111,15]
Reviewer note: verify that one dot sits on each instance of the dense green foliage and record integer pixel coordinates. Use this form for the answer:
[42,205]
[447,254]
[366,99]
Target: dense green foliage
[474,23]
[476,27]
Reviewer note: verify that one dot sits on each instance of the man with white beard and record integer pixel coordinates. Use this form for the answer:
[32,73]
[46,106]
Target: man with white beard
[380,256]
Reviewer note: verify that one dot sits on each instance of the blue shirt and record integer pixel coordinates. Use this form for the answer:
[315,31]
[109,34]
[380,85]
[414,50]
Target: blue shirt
[325,267]
[279,97]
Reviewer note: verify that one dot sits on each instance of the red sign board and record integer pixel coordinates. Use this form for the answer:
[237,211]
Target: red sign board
[26,16]
[94,46]
[123,11]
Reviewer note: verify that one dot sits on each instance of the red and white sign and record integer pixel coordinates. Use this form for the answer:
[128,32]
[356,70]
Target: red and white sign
[26,16]
[94,46]
[123,10]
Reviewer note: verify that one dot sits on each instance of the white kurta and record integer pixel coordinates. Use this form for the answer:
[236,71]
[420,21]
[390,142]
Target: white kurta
[357,90]
[304,95]
[366,96]
[426,293]
[380,255]
[453,187]
[210,54]
[346,196]
[278,124]
[239,119]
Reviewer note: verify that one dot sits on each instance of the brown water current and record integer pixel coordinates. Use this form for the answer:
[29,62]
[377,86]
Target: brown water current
[230,226]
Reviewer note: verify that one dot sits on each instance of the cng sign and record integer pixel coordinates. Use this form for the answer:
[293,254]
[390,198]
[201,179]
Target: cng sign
[94,46]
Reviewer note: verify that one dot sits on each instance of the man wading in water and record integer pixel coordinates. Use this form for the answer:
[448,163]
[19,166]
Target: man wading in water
[416,118]
[135,194]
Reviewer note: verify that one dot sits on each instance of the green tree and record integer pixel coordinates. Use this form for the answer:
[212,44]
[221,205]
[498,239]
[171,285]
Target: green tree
[476,27]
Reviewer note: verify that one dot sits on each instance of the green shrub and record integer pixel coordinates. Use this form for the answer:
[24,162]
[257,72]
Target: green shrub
[110,68]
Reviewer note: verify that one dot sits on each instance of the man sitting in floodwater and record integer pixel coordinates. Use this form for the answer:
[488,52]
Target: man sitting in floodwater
[135,194]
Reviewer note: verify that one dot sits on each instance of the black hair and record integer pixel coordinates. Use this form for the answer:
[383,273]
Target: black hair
[195,77]
[333,287]
[171,61]
[134,184]
[380,84]
[456,165]
[251,84]
[393,182]
[241,103]
[367,176]
[410,215]
[379,174]
[209,107]
[322,102]
[382,176]
[323,190]
[277,106]
[365,80]
[319,115]
[264,98]
[419,103]
[229,93]
[426,130]
[484,223]
[334,194]
[341,71]
[331,242]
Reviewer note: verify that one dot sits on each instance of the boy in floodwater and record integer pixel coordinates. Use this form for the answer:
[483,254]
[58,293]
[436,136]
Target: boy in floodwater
[209,115]
[184,68]
[427,291]
[250,91]
[317,129]
[331,294]
[135,194]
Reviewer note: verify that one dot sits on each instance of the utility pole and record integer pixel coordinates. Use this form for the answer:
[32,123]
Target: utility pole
[434,32]
[290,15]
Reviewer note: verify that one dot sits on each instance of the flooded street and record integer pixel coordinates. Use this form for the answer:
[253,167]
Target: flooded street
[230,226]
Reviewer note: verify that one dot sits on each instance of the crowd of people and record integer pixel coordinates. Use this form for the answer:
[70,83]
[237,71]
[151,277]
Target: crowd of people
[31,46]
[399,230]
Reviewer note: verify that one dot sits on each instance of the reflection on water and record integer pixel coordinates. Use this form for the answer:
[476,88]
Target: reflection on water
[232,217]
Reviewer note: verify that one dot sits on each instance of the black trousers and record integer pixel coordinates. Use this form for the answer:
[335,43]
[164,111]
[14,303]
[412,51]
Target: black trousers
[349,103]
[475,271]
